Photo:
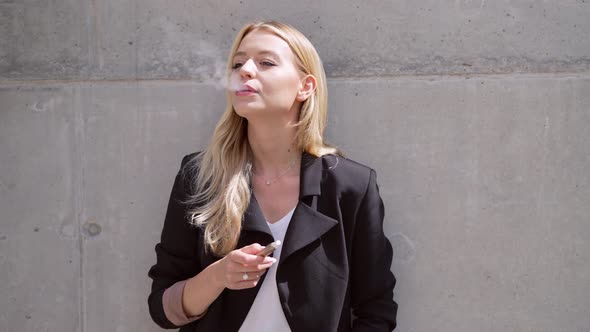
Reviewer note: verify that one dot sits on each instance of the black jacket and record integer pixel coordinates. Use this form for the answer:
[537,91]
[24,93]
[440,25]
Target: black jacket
[334,270]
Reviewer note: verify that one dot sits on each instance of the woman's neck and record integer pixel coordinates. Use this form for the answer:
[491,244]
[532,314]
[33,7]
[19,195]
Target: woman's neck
[273,149]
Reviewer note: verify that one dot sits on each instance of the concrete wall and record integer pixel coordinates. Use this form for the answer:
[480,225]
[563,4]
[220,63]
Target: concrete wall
[473,113]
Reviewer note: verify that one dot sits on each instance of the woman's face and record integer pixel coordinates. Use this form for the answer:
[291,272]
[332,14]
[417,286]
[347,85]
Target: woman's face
[264,80]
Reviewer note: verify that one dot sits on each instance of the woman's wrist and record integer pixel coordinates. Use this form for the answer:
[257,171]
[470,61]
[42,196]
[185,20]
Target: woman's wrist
[206,287]
[214,275]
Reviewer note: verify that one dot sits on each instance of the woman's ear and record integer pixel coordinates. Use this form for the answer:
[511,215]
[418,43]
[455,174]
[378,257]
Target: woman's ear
[308,86]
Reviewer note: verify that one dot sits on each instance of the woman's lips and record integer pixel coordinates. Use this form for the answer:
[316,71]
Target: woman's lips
[246,93]
[246,90]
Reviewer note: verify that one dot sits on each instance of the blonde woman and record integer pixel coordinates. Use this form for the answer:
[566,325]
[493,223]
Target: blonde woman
[267,175]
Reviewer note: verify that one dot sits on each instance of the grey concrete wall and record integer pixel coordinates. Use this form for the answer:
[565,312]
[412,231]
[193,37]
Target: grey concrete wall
[473,113]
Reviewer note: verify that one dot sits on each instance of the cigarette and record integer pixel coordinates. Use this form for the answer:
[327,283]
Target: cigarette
[269,248]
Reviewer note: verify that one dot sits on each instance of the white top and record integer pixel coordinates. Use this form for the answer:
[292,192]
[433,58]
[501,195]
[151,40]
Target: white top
[266,313]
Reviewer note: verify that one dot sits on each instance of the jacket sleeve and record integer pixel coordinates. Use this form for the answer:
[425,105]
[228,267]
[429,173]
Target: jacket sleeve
[177,253]
[372,282]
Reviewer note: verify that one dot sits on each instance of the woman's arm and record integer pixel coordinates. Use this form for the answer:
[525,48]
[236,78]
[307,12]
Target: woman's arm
[201,290]
[178,260]
[372,282]
[177,253]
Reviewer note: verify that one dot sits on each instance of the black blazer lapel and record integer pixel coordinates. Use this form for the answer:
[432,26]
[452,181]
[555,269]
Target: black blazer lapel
[254,220]
[254,230]
[307,224]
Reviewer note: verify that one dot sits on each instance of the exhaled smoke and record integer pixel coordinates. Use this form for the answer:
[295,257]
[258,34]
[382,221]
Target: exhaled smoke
[234,83]
[212,65]
[212,70]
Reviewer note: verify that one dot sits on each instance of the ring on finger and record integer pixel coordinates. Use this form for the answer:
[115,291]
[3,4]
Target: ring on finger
[245,276]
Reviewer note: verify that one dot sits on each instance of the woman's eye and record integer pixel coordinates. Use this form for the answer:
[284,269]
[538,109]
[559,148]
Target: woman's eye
[236,65]
[267,63]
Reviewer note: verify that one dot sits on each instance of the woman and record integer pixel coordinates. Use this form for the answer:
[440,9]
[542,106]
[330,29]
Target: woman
[268,175]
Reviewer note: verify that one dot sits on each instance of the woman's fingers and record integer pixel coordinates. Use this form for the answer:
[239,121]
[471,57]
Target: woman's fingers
[252,249]
[245,280]
[244,258]
[237,267]
[243,269]
[249,276]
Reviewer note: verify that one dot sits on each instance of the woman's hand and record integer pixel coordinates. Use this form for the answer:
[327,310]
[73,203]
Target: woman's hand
[241,268]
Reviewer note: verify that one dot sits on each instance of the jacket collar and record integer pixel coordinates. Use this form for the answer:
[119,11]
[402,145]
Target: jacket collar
[310,176]
[307,224]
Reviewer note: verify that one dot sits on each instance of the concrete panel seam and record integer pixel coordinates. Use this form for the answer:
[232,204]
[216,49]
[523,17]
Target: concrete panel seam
[79,198]
[578,75]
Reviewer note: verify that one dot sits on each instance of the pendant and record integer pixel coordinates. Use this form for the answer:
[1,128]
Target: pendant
[268,182]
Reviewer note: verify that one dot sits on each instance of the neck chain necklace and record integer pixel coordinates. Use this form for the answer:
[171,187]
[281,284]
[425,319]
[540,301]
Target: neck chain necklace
[269,181]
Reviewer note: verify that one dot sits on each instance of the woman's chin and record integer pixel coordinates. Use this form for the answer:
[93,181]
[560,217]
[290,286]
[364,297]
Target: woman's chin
[244,110]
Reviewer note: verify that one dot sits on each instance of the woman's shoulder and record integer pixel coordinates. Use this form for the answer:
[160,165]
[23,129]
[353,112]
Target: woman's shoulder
[189,167]
[190,158]
[190,162]
[349,174]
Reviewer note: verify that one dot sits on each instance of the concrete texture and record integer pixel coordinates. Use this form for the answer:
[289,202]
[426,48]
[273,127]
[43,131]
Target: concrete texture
[488,190]
[39,246]
[473,113]
[149,39]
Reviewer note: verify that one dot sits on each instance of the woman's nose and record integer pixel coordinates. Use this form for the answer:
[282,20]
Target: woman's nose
[248,68]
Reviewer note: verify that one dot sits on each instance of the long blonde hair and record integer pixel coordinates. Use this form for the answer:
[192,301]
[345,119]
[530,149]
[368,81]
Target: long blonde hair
[221,187]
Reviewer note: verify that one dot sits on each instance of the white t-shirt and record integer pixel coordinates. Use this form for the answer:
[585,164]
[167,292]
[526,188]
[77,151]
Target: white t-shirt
[266,313]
